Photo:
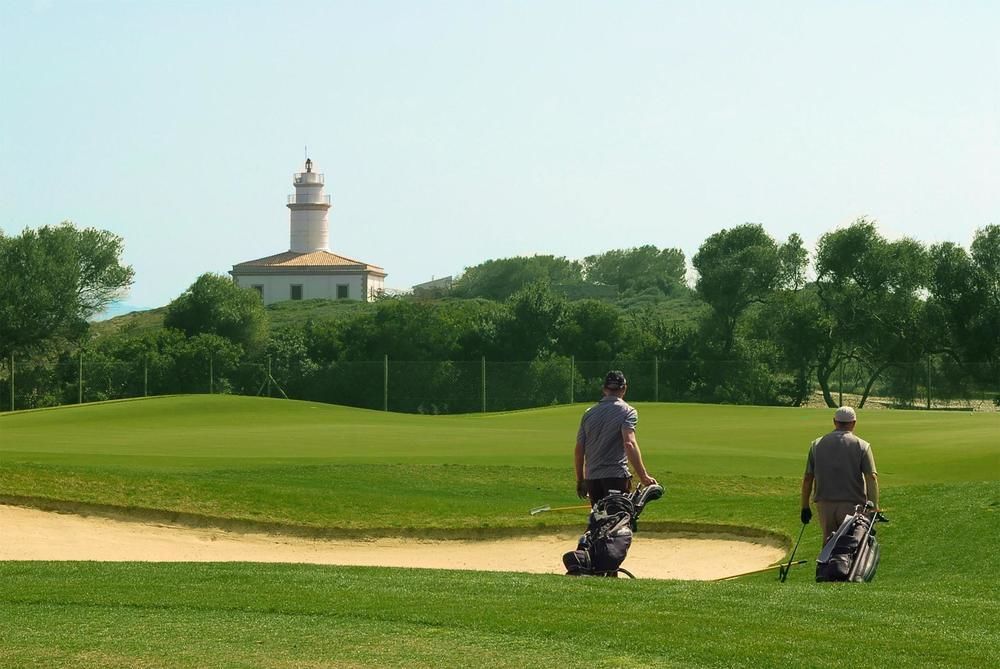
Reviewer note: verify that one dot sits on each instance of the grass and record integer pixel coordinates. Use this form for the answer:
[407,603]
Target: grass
[135,322]
[314,468]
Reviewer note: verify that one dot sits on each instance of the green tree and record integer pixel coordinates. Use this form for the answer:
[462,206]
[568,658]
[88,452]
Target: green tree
[965,296]
[740,267]
[205,363]
[871,291]
[215,305]
[529,325]
[499,279]
[54,279]
[635,270]
[591,330]
[985,250]
[146,358]
[795,323]
[411,330]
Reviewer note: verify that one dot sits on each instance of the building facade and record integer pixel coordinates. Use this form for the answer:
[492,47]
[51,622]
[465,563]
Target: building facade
[309,269]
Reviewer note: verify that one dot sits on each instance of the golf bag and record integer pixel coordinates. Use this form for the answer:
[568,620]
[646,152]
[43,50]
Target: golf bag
[852,553]
[604,546]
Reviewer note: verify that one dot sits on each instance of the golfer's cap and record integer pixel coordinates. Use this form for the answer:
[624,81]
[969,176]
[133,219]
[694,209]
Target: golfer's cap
[845,415]
[615,380]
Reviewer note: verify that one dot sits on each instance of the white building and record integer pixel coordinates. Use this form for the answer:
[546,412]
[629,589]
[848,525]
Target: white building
[308,269]
[434,287]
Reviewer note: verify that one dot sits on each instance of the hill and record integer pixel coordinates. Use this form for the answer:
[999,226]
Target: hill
[679,310]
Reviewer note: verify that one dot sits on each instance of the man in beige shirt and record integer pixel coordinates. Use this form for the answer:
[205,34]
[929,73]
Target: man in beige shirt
[840,474]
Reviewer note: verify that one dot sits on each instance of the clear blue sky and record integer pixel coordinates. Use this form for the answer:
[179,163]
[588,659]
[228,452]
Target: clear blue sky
[455,132]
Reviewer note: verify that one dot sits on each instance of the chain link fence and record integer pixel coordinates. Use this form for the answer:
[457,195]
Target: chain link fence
[446,387]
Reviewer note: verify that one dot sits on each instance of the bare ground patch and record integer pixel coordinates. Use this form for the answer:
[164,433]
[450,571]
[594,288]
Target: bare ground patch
[32,534]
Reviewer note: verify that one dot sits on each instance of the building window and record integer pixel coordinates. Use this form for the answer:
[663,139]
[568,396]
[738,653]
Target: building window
[260,289]
[297,291]
[342,291]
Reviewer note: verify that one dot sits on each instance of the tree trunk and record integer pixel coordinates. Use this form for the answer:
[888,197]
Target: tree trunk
[823,374]
[871,382]
[801,385]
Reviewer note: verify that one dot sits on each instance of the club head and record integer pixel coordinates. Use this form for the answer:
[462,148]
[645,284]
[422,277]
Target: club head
[539,509]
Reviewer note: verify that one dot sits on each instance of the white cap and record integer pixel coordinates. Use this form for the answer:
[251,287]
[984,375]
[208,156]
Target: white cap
[845,415]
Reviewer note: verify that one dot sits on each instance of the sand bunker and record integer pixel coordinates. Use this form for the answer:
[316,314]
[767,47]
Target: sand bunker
[29,534]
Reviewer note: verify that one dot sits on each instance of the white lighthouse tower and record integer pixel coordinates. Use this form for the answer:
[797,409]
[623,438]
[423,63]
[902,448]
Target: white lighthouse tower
[310,208]
[308,269]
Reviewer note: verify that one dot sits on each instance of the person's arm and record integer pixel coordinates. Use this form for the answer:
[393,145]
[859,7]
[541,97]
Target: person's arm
[871,476]
[806,514]
[635,456]
[871,488]
[808,483]
[807,488]
[581,485]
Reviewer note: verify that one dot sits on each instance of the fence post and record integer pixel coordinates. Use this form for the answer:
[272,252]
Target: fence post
[841,382]
[79,386]
[572,378]
[656,378]
[385,382]
[268,376]
[484,382]
[11,381]
[928,382]
[211,374]
[145,376]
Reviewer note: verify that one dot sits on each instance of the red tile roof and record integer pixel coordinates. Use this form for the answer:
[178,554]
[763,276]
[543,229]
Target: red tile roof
[304,260]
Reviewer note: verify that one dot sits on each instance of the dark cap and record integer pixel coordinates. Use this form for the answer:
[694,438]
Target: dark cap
[615,380]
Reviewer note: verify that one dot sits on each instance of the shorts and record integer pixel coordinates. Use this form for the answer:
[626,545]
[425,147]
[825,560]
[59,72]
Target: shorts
[599,488]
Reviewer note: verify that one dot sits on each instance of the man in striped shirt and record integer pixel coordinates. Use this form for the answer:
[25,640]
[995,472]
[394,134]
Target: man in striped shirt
[606,444]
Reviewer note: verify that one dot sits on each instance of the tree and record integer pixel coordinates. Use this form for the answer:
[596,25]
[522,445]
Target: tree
[796,325]
[499,279]
[54,279]
[743,266]
[529,324]
[637,269]
[965,294]
[870,289]
[215,305]
[591,330]
[403,330]
[985,250]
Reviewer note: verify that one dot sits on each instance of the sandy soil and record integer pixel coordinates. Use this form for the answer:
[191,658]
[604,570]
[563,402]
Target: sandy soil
[29,534]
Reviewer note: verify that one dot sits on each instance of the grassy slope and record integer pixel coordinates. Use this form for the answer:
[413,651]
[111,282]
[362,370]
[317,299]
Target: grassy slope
[301,463]
[279,315]
[933,604]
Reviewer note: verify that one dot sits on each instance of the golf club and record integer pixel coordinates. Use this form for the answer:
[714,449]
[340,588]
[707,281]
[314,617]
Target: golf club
[761,571]
[783,573]
[542,509]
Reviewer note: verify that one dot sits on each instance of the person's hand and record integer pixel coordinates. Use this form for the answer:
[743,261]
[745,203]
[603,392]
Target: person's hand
[581,489]
[647,480]
[806,515]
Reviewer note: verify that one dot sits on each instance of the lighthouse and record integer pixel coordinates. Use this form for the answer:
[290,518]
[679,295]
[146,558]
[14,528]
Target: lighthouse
[310,212]
[309,269]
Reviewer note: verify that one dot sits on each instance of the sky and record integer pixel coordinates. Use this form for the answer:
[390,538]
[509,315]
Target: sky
[451,133]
